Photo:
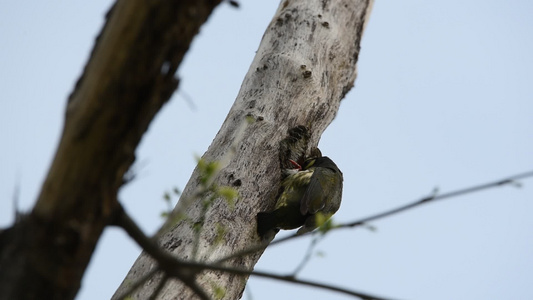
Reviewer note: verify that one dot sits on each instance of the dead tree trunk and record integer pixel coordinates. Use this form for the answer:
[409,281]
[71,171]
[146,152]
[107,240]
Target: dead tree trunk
[305,65]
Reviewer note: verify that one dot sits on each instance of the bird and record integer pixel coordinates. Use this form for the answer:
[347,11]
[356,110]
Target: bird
[310,195]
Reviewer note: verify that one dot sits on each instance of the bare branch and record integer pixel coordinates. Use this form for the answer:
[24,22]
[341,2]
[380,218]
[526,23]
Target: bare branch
[434,197]
[130,75]
[511,180]
[198,290]
[308,254]
[329,287]
[186,271]
[292,279]
[166,262]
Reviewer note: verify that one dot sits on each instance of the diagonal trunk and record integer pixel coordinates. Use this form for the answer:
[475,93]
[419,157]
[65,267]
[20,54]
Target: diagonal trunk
[304,67]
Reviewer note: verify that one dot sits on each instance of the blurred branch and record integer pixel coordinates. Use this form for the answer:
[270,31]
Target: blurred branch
[171,266]
[308,254]
[186,270]
[130,75]
[293,279]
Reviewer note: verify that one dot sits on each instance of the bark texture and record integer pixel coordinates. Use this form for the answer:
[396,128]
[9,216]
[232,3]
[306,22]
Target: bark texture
[129,76]
[305,65]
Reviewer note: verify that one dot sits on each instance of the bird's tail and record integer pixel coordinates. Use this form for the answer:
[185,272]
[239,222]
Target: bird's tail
[266,221]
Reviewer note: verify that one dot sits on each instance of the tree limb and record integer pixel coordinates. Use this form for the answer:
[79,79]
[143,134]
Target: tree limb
[165,262]
[187,270]
[305,65]
[473,189]
[361,222]
[128,78]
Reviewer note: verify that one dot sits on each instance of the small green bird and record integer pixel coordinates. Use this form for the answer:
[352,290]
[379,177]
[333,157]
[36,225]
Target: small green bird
[308,194]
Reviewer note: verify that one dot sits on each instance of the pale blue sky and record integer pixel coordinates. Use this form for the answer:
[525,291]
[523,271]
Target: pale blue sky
[443,99]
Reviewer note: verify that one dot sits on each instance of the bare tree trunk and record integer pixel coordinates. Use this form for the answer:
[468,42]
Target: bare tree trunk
[129,76]
[305,65]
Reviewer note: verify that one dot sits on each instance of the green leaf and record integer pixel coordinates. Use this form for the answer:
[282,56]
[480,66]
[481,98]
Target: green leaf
[324,222]
[230,194]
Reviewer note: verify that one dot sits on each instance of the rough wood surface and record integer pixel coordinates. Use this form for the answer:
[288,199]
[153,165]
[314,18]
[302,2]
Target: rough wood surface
[129,76]
[305,65]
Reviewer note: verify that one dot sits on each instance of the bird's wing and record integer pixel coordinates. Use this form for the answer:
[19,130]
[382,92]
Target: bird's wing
[321,183]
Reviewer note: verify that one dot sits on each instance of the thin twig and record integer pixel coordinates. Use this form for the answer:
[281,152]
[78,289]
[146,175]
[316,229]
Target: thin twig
[123,220]
[166,262]
[185,270]
[435,197]
[185,201]
[361,222]
[188,99]
[247,251]
[198,290]
[360,295]
[240,271]
[307,256]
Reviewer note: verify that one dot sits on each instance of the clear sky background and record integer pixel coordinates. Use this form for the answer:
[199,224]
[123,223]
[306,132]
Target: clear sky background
[443,99]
